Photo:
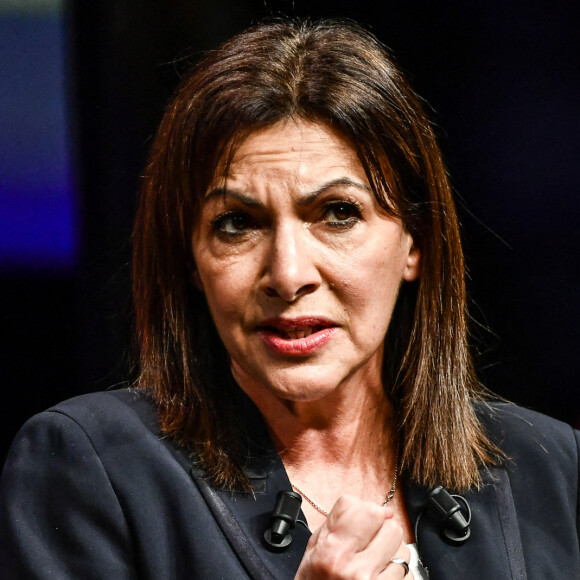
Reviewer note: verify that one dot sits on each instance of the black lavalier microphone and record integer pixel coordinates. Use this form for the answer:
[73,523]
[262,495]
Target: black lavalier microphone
[444,509]
[284,518]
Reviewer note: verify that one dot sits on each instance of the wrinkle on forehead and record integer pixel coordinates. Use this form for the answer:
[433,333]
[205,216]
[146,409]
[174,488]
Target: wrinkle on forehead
[288,147]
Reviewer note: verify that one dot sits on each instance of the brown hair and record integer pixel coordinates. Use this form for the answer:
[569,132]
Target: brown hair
[339,74]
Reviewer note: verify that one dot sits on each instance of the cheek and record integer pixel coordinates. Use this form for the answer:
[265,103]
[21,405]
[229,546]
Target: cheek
[368,287]
[228,287]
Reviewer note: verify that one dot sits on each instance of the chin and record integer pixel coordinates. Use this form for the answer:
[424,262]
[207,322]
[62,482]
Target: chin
[303,395]
[302,389]
[294,382]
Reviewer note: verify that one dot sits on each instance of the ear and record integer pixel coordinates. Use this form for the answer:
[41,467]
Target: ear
[411,271]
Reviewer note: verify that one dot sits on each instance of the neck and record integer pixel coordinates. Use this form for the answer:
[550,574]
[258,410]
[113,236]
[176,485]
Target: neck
[354,422]
[343,443]
[353,434]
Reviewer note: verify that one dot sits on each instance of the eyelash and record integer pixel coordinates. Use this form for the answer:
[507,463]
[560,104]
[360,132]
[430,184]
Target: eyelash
[352,208]
[219,223]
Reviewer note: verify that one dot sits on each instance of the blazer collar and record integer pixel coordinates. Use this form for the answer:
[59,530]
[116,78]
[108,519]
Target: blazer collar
[493,549]
[244,517]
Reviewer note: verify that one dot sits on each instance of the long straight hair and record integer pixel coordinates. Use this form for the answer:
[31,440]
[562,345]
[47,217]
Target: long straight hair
[339,74]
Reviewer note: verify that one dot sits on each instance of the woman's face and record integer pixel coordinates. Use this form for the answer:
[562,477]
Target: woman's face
[299,264]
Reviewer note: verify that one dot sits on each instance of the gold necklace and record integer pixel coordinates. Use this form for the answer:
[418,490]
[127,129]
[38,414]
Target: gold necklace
[388,497]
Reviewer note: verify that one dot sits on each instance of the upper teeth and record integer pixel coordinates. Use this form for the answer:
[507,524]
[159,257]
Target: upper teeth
[299,332]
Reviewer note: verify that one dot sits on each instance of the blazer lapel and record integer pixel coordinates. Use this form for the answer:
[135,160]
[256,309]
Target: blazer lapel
[244,518]
[494,548]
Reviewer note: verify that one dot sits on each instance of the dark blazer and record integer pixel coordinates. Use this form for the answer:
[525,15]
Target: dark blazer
[91,490]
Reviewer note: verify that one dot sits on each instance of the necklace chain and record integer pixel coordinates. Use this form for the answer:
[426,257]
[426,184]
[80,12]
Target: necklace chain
[388,497]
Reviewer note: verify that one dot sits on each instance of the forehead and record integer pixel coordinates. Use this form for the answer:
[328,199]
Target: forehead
[296,147]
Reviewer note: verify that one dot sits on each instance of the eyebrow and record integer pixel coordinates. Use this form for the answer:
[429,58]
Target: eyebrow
[226,193]
[304,200]
[340,182]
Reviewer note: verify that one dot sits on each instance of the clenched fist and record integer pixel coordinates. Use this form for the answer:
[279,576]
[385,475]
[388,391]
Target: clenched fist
[357,541]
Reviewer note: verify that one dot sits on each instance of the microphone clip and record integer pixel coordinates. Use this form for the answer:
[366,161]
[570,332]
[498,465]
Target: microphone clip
[284,517]
[446,511]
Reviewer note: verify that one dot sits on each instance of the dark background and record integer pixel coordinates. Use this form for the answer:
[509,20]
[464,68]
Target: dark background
[503,80]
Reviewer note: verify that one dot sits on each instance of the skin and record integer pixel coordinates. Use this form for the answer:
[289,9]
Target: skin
[295,231]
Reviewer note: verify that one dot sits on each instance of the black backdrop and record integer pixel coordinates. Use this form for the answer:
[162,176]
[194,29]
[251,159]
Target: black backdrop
[503,79]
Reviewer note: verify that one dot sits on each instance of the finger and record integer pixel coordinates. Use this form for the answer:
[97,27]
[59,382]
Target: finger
[357,541]
[354,524]
[314,537]
[398,565]
[347,502]
[388,543]
[396,570]
[377,555]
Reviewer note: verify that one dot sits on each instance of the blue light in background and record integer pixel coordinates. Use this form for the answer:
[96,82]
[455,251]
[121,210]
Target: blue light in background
[37,201]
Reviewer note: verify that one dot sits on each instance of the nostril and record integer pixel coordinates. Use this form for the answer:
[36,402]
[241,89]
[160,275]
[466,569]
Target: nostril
[289,296]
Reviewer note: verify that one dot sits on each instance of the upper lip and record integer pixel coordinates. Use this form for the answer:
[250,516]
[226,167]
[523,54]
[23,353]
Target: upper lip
[299,322]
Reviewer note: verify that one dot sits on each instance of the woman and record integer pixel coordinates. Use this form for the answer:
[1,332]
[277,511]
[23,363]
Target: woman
[300,301]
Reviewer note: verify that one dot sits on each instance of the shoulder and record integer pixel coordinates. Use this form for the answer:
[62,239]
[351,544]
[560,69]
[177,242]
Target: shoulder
[111,427]
[97,416]
[60,483]
[97,467]
[94,448]
[107,407]
[541,453]
[516,430]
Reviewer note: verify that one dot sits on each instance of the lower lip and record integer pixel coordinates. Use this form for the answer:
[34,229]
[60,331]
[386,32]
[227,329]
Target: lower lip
[297,346]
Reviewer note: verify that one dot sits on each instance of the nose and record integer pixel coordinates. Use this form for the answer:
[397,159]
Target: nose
[290,269]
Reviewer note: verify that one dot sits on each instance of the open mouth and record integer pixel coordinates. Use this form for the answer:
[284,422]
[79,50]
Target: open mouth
[297,336]
[294,333]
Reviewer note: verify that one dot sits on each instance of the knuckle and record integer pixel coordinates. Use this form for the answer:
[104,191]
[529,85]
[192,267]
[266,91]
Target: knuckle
[345,501]
[405,553]
[363,508]
[312,541]
[375,510]
[394,528]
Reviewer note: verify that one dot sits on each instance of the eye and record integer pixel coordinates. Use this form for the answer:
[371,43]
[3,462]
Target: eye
[342,214]
[232,224]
